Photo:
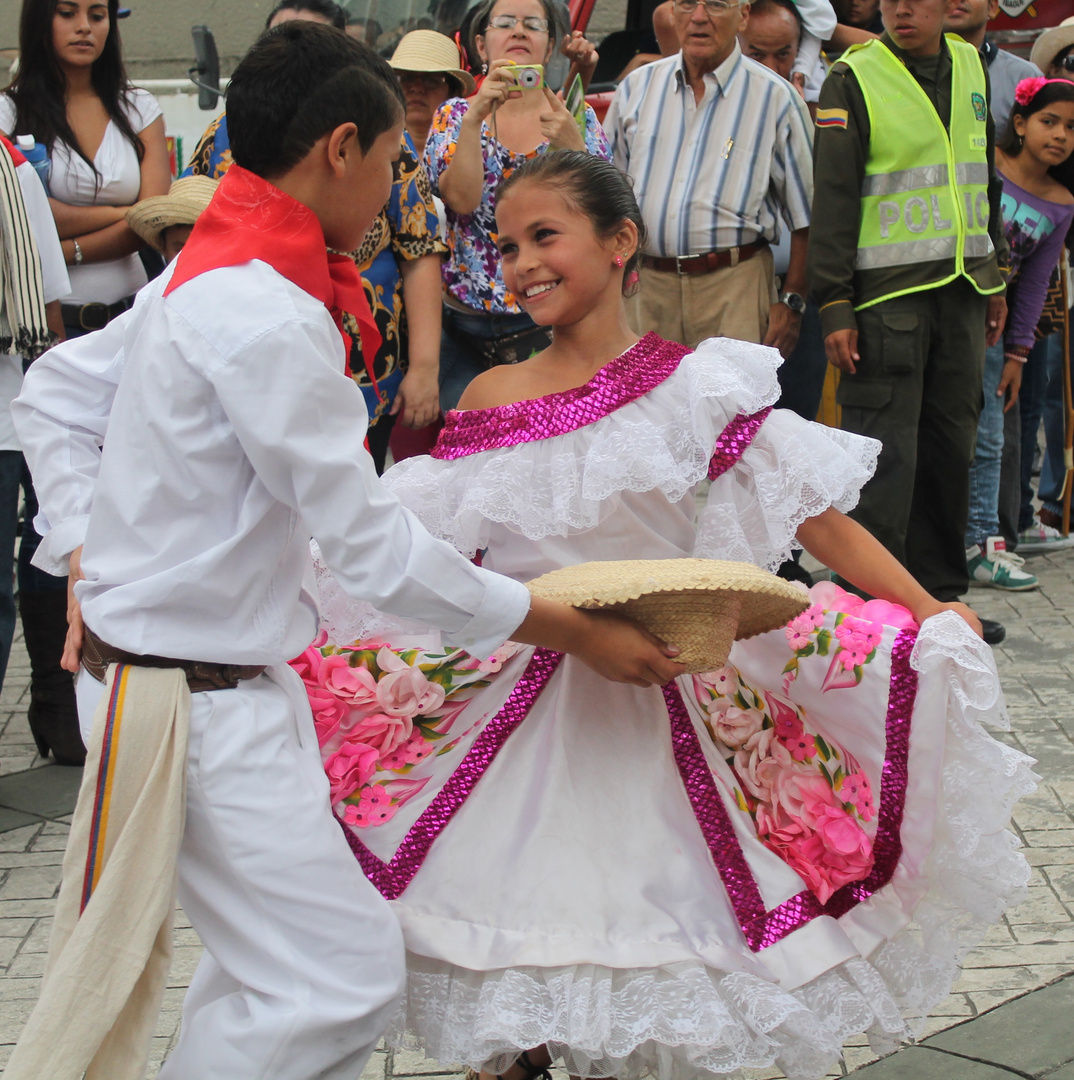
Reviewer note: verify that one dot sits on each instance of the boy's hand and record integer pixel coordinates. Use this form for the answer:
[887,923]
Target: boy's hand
[621,650]
[72,647]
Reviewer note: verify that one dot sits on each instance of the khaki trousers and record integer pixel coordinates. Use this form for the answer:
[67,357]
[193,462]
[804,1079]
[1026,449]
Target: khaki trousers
[687,308]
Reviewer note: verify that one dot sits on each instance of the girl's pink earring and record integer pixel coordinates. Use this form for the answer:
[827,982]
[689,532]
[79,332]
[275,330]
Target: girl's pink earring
[632,279]
[619,261]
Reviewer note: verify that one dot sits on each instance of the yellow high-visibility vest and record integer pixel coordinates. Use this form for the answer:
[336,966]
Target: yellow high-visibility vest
[925,194]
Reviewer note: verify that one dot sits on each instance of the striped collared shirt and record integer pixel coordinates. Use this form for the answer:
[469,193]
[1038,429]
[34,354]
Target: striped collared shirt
[718,173]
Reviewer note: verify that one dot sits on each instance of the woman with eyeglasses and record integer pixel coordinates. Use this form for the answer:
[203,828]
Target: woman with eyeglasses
[472,147]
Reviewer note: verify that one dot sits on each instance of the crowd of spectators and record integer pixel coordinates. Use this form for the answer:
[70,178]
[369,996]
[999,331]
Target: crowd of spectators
[783,204]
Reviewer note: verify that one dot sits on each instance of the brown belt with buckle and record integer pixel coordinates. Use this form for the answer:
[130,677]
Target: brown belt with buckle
[703,264]
[98,654]
[93,316]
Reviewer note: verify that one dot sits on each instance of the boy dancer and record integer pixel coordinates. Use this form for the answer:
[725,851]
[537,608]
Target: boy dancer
[232,436]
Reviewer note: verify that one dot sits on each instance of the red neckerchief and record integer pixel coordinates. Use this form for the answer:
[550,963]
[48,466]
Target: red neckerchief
[17,155]
[248,219]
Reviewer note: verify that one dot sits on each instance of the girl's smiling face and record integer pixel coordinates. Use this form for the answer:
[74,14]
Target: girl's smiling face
[554,262]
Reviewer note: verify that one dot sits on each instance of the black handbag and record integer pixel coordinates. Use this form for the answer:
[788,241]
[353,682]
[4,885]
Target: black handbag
[509,349]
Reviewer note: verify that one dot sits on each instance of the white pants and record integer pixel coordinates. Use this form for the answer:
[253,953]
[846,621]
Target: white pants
[304,958]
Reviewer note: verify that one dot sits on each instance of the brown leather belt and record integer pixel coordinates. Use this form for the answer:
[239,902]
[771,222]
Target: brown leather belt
[703,264]
[98,654]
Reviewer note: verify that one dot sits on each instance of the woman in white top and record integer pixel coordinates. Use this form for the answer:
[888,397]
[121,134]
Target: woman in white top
[105,140]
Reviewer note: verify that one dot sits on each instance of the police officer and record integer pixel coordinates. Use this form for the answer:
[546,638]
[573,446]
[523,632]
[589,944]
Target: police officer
[903,263]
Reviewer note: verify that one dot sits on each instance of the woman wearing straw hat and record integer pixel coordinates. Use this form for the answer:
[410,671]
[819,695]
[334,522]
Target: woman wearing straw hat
[429,70]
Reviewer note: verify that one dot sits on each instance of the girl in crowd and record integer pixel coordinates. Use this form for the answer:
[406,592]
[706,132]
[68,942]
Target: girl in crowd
[1037,214]
[691,881]
[105,141]
[475,145]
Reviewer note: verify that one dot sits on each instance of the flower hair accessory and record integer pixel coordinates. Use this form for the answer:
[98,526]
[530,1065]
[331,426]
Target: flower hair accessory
[1028,89]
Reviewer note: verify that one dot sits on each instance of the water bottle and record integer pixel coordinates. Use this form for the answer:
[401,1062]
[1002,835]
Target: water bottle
[37,155]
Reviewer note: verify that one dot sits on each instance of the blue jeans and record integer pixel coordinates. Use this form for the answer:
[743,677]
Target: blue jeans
[1053,472]
[459,366]
[10,481]
[1031,406]
[985,470]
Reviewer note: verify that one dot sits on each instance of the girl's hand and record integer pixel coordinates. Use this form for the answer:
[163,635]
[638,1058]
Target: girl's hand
[579,50]
[417,400]
[1010,382]
[494,91]
[558,126]
[934,607]
[622,651]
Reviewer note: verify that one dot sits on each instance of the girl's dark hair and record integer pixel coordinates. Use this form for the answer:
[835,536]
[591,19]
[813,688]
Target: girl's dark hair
[300,81]
[39,89]
[327,9]
[1048,94]
[599,190]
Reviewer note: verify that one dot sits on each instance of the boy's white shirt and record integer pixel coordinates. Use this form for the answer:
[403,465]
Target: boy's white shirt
[233,437]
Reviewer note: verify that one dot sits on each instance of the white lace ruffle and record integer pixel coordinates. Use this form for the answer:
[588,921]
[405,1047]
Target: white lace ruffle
[556,486]
[686,1021]
[792,471]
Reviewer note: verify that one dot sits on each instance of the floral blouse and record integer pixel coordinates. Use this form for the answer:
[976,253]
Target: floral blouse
[472,271]
[405,229]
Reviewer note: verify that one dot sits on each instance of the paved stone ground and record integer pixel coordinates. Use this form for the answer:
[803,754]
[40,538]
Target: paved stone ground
[969,1037]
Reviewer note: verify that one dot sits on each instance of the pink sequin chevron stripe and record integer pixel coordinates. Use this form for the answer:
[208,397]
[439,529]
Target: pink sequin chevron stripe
[391,878]
[622,380]
[732,441]
[760,926]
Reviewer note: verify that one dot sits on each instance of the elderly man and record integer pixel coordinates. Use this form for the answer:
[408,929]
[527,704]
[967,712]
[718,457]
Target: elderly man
[719,148]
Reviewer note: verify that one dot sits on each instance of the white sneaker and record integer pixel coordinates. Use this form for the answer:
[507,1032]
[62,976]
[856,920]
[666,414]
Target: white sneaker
[998,568]
[1041,537]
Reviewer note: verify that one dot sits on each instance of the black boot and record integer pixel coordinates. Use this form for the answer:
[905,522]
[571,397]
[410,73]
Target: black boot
[53,714]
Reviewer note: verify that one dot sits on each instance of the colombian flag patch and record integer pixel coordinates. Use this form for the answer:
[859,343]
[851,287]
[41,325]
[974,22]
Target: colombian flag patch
[832,118]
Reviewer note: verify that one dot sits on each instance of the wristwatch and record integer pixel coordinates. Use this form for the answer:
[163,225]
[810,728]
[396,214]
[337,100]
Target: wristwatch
[795,302]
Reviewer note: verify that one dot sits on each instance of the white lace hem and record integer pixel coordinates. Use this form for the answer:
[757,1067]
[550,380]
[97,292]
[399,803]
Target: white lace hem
[686,1020]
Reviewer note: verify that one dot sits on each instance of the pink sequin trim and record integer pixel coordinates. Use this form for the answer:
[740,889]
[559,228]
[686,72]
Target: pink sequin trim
[622,380]
[732,442]
[393,877]
[761,927]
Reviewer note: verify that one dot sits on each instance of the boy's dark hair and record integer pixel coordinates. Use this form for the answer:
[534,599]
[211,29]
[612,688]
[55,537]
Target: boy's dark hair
[327,9]
[599,190]
[39,90]
[1051,92]
[300,81]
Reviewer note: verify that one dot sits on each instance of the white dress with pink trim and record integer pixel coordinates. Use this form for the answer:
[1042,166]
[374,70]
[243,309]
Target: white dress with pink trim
[738,871]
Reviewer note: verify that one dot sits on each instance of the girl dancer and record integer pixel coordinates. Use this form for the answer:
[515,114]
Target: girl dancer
[739,871]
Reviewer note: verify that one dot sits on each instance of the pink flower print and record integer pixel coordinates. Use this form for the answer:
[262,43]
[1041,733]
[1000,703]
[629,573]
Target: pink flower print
[383,732]
[417,748]
[396,760]
[733,726]
[857,790]
[801,628]
[404,690]
[350,768]
[496,660]
[328,712]
[857,639]
[803,748]
[760,761]
[723,682]
[785,718]
[308,663]
[374,808]
[355,685]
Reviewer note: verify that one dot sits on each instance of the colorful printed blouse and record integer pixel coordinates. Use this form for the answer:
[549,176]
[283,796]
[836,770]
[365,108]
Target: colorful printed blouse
[405,229]
[472,271]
